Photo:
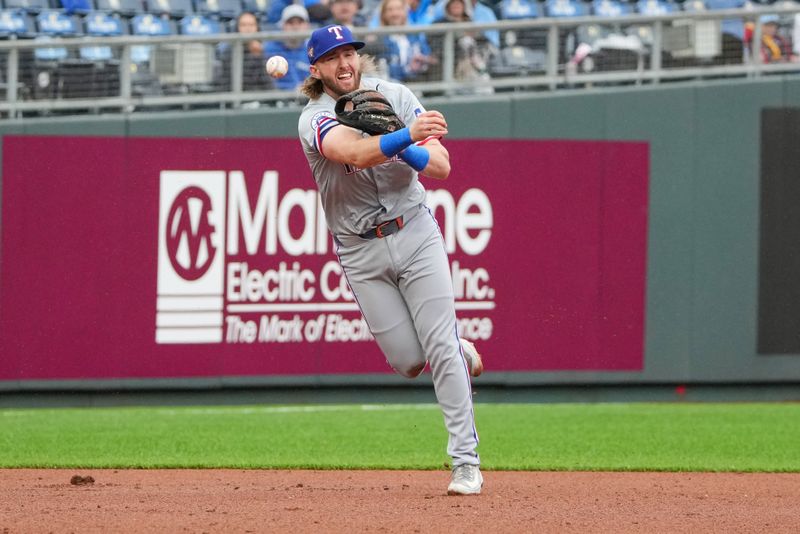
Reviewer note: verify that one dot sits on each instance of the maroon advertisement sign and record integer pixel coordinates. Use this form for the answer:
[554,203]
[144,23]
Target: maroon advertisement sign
[145,258]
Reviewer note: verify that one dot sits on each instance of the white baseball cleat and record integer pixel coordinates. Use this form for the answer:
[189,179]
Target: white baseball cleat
[466,480]
[474,362]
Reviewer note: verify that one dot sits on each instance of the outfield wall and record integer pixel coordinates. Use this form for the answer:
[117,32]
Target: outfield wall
[606,237]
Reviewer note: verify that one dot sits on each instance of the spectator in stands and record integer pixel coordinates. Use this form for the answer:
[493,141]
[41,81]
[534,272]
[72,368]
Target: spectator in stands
[775,47]
[481,13]
[473,49]
[408,55]
[318,10]
[345,12]
[293,19]
[420,12]
[254,76]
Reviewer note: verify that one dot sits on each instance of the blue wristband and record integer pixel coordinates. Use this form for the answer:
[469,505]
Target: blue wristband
[393,143]
[416,157]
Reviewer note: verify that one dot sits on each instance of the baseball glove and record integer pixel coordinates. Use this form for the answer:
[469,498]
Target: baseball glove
[369,112]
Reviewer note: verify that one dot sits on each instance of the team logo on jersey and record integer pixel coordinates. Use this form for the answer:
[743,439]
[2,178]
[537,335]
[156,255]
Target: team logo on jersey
[321,117]
[417,112]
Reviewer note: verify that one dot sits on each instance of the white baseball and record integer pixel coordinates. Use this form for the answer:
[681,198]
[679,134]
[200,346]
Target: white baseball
[277,66]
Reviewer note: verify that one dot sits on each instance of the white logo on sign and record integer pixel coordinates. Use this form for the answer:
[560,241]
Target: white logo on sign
[191,257]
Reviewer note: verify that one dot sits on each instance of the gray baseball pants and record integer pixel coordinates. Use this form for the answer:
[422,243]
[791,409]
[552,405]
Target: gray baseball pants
[402,284]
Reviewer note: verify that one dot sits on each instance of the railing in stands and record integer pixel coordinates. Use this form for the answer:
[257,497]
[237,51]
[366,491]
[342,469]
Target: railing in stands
[130,73]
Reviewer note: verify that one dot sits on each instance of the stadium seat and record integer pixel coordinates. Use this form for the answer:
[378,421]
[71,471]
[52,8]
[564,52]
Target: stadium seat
[535,38]
[518,9]
[258,7]
[16,23]
[655,7]
[222,9]
[126,8]
[59,73]
[175,9]
[197,63]
[566,36]
[610,8]
[102,25]
[693,5]
[31,6]
[106,66]
[199,25]
[565,8]
[517,61]
[52,23]
[80,7]
[151,26]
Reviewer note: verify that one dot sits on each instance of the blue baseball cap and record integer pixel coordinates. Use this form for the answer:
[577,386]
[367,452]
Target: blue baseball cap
[329,37]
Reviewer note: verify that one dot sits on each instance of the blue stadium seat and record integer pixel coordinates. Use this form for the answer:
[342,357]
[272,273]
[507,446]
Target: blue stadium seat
[56,23]
[565,8]
[519,9]
[610,8]
[80,7]
[174,8]
[126,8]
[58,71]
[31,6]
[152,26]
[104,25]
[224,9]
[258,7]
[101,25]
[52,24]
[655,7]
[199,25]
[693,5]
[534,38]
[16,23]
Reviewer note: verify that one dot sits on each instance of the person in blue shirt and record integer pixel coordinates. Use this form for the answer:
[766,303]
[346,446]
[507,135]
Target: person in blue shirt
[420,13]
[407,56]
[480,13]
[293,19]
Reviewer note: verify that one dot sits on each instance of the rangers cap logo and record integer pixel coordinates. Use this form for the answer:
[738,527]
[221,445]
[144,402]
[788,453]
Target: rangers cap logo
[327,38]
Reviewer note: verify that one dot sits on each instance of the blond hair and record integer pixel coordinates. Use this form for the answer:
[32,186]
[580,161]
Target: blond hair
[313,87]
[384,6]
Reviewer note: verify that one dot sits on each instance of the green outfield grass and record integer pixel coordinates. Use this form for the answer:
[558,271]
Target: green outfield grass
[663,437]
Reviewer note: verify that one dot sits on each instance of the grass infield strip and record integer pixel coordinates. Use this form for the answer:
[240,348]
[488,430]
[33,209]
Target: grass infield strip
[613,437]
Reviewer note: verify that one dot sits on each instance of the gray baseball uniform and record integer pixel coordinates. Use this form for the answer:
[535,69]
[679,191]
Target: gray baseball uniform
[402,281]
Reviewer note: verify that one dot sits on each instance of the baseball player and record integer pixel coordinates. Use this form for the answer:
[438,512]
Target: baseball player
[387,240]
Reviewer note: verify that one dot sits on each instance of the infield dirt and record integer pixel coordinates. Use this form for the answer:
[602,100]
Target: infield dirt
[34,500]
